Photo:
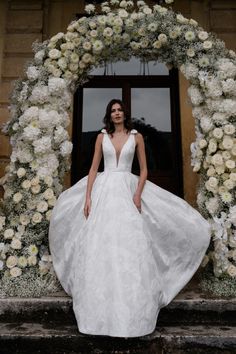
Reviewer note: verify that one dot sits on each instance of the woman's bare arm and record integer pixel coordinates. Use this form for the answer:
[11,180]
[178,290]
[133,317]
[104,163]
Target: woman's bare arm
[142,164]
[95,164]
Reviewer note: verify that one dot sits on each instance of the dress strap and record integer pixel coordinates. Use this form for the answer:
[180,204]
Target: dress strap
[133,131]
[104,131]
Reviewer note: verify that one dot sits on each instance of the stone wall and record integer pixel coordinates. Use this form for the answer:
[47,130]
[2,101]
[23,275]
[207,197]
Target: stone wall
[22,22]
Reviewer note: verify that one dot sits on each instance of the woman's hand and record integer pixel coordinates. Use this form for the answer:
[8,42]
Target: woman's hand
[87,207]
[137,201]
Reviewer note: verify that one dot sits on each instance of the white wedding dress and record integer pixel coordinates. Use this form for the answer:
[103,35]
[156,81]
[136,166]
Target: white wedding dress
[121,266]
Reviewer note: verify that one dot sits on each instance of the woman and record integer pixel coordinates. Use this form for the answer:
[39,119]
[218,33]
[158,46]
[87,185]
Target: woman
[123,247]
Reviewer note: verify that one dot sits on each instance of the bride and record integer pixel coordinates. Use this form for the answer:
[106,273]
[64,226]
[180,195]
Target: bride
[122,247]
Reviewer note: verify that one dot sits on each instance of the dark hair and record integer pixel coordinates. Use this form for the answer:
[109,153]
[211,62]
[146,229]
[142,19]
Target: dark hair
[109,125]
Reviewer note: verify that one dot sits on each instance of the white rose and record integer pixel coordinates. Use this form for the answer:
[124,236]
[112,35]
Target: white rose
[230,164]
[21,172]
[32,260]
[202,35]
[48,194]
[231,270]
[37,218]
[218,133]
[15,272]
[11,261]
[16,244]
[35,189]
[220,169]
[217,159]
[202,143]
[24,219]
[34,181]
[26,184]
[213,182]
[207,44]
[48,215]
[54,54]
[17,197]
[229,184]
[22,261]
[52,201]
[42,206]
[8,233]
[229,129]
[227,143]
[232,176]
[211,171]
[162,38]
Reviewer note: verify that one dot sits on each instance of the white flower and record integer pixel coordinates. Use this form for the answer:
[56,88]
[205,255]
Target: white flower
[39,94]
[42,145]
[190,52]
[219,117]
[35,181]
[229,86]
[212,205]
[147,10]
[169,1]
[93,34]
[227,142]
[189,70]
[213,182]
[232,176]
[57,37]
[207,44]
[203,61]
[29,115]
[54,53]
[226,68]
[193,22]
[231,270]
[217,133]
[8,233]
[30,133]
[123,13]
[17,197]
[230,164]
[152,27]
[66,148]
[195,95]
[217,159]
[189,35]
[202,143]
[22,262]
[181,19]
[32,260]
[206,124]
[11,261]
[202,35]
[211,171]
[229,184]
[175,32]
[226,197]
[21,172]
[33,250]
[37,218]
[48,194]
[39,56]
[48,180]
[56,86]
[26,184]
[52,201]
[108,32]
[162,38]
[15,272]
[90,8]
[42,206]
[24,219]
[212,146]
[32,73]
[48,215]
[16,244]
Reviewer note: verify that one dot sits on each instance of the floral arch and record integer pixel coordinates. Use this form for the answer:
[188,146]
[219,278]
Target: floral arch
[40,142]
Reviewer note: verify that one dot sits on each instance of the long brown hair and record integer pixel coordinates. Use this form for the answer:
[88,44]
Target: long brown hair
[109,125]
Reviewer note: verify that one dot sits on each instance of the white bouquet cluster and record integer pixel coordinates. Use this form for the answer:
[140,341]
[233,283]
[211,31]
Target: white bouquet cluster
[39,111]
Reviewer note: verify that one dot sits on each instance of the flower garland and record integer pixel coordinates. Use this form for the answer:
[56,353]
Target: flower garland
[39,118]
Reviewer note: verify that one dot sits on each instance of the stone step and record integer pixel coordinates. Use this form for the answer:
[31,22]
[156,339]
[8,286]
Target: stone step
[36,338]
[188,308]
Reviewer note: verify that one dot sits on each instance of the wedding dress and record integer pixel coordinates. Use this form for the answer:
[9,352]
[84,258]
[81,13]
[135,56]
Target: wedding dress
[121,266]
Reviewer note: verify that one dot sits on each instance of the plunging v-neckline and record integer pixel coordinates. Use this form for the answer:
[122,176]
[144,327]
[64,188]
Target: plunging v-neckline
[118,160]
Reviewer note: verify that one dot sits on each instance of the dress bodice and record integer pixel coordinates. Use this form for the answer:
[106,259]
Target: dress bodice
[123,162]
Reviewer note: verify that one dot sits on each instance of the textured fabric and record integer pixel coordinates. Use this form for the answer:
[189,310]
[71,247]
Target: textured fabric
[121,266]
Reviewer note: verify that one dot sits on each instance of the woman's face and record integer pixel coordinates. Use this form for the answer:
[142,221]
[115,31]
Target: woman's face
[117,113]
